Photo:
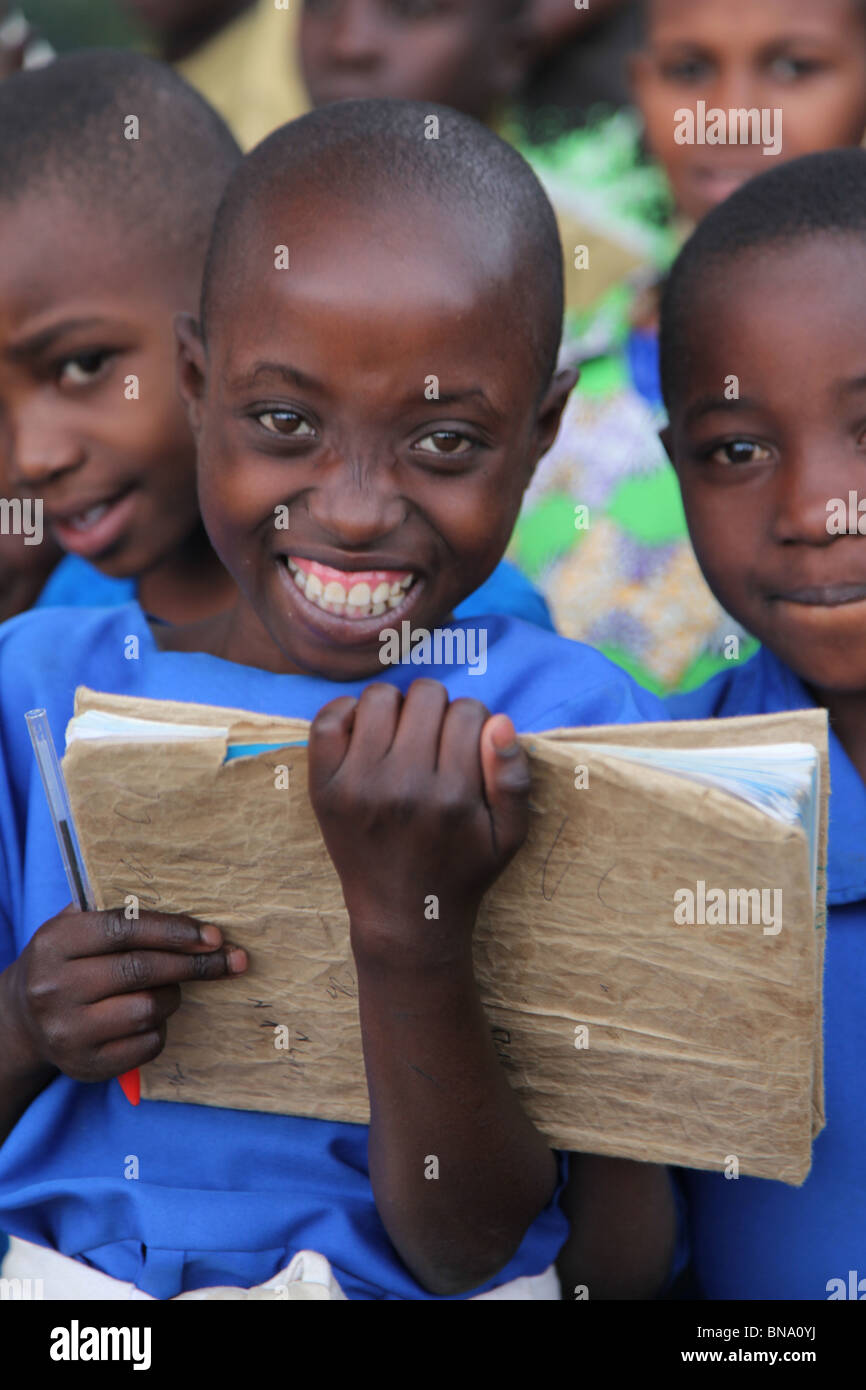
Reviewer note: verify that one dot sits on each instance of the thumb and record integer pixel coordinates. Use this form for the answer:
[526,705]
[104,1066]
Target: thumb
[505,770]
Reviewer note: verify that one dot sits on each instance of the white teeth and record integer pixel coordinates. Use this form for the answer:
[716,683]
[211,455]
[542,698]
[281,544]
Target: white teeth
[359,602]
[84,520]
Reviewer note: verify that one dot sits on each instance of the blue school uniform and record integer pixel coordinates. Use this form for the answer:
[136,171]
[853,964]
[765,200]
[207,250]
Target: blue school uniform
[75,583]
[220,1198]
[753,1238]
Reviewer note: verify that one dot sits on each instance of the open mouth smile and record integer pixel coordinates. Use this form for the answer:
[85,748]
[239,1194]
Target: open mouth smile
[95,526]
[348,607]
[354,594]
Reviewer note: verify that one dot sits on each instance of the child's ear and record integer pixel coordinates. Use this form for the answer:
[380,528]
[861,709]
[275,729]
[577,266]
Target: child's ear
[190,367]
[550,409]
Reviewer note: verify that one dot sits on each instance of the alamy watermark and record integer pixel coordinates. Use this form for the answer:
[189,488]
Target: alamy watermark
[444,646]
[738,126]
[22,517]
[714,907]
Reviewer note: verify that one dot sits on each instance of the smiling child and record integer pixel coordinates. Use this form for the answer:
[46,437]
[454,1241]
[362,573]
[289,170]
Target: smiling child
[772,289]
[309,390]
[102,243]
[102,239]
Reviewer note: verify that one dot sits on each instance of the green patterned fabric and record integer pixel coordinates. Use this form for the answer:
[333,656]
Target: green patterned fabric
[602,530]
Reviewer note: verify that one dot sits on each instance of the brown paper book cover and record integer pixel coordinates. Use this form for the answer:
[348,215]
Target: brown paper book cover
[624,1032]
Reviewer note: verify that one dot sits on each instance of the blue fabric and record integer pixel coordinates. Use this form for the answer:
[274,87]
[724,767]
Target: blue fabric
[222,1197]
[507,591]
[75,583]
[642,353]
[752,1238]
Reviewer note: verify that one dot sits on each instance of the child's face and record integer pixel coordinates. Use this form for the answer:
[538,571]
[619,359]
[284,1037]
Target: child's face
[322,442]
[83,310]
[449,51]
[757,473]
[806,59]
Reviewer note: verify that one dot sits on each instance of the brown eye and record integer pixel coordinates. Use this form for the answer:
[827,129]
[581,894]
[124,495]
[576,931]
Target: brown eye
[286,423]
[445,442]
[84,368]
[740,451]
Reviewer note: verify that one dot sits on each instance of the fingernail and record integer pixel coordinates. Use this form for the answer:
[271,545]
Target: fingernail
[237,960]
[210,935]
[505,742]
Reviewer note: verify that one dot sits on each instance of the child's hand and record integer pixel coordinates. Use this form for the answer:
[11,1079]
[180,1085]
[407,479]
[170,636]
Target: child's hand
[422,804]
[91,992]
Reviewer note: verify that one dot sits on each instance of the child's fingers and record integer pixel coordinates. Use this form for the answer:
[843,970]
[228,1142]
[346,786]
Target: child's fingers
[81,934]
[420,724]
[103,977]
[330,737]
[460,743]
[376,719]
[125,1054]
[125,1016]
[505,768]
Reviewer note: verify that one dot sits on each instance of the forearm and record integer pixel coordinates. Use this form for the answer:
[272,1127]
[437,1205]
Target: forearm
[623,1228]
[458,1171]
[22,1075]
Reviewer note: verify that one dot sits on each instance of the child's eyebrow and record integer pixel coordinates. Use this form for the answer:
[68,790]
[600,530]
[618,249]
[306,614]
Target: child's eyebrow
[293,376]
[709,405]
[36,343]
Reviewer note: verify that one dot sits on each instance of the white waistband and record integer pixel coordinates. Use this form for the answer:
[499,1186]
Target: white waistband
[35,1271]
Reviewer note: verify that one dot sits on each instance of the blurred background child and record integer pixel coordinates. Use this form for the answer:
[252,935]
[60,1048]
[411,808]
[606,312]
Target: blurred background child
[622,575]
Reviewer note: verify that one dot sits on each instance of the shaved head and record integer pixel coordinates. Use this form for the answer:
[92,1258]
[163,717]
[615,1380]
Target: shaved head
[401,167]
[118,136]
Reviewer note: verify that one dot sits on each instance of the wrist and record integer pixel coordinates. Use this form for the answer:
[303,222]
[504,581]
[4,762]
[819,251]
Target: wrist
[402,945]
[404,963]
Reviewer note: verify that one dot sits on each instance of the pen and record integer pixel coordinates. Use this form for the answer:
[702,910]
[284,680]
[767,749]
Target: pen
[64,828]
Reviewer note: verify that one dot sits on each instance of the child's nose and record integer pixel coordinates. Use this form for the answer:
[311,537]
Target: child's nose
[353,37]
[41,445]
[805,489]
[355,508]
[735,87]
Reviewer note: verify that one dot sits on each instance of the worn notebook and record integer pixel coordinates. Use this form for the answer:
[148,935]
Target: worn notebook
[650,962]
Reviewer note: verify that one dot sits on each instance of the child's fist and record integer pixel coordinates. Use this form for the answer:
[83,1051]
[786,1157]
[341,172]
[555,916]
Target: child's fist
[422,804]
